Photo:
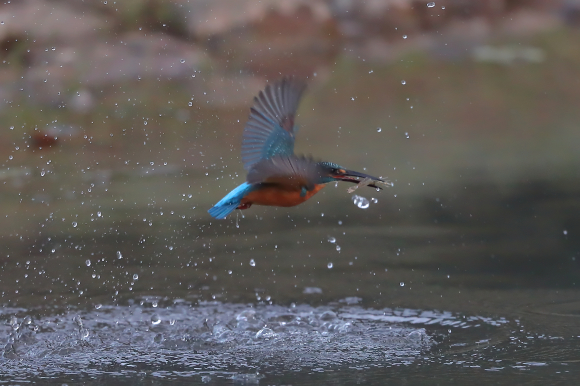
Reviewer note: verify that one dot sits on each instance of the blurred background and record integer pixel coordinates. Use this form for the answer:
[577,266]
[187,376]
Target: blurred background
[121,125]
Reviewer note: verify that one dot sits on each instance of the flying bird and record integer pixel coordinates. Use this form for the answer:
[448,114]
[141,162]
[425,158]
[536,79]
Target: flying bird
[276,176]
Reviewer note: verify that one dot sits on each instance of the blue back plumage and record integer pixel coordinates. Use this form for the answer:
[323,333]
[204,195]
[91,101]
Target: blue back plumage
[231,201]
[270,129]
[289,171]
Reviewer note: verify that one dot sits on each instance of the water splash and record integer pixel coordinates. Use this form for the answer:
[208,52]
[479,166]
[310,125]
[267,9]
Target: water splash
[202,337]
[360,201]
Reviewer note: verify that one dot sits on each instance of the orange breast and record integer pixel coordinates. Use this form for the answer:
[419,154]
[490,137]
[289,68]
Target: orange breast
[275,195]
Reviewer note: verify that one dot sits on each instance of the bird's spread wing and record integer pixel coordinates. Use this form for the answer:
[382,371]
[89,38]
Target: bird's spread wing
[291,171]
[270,128]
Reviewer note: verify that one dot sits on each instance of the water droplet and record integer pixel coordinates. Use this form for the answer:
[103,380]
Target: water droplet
[352,98]
[183,60]
[331,239]
[406,135]
[14,323]
[98,306]
[379,129]
[371,71]
[135,277]
[119,255]
[402,284]
[442,7]
[360,201]
[565,232]
[338,248]
[265,333]
[74,224]
[78,321]
[403,81]
[329,265]
[416,336]
[252,262]
[190,104]
[155,319]
[88,262]
[374,200]
[404,36]
[431,4]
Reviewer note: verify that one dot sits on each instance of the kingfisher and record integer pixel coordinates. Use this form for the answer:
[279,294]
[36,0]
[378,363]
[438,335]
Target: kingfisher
[276,176]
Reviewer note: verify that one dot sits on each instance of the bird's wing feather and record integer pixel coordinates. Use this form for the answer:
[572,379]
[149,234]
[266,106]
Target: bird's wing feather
[270,129]
[286,170]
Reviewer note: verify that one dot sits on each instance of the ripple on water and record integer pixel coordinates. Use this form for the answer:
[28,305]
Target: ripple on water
[210,338]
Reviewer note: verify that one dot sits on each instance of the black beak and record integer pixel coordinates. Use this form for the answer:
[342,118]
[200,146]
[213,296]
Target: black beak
[357,177]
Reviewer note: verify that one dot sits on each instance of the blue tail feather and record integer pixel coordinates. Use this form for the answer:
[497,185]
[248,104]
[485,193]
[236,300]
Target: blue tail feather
[230,202]
[220,212]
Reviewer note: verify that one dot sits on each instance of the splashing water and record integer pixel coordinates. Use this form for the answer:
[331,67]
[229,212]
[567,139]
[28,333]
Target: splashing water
[244,339]
[360,201]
